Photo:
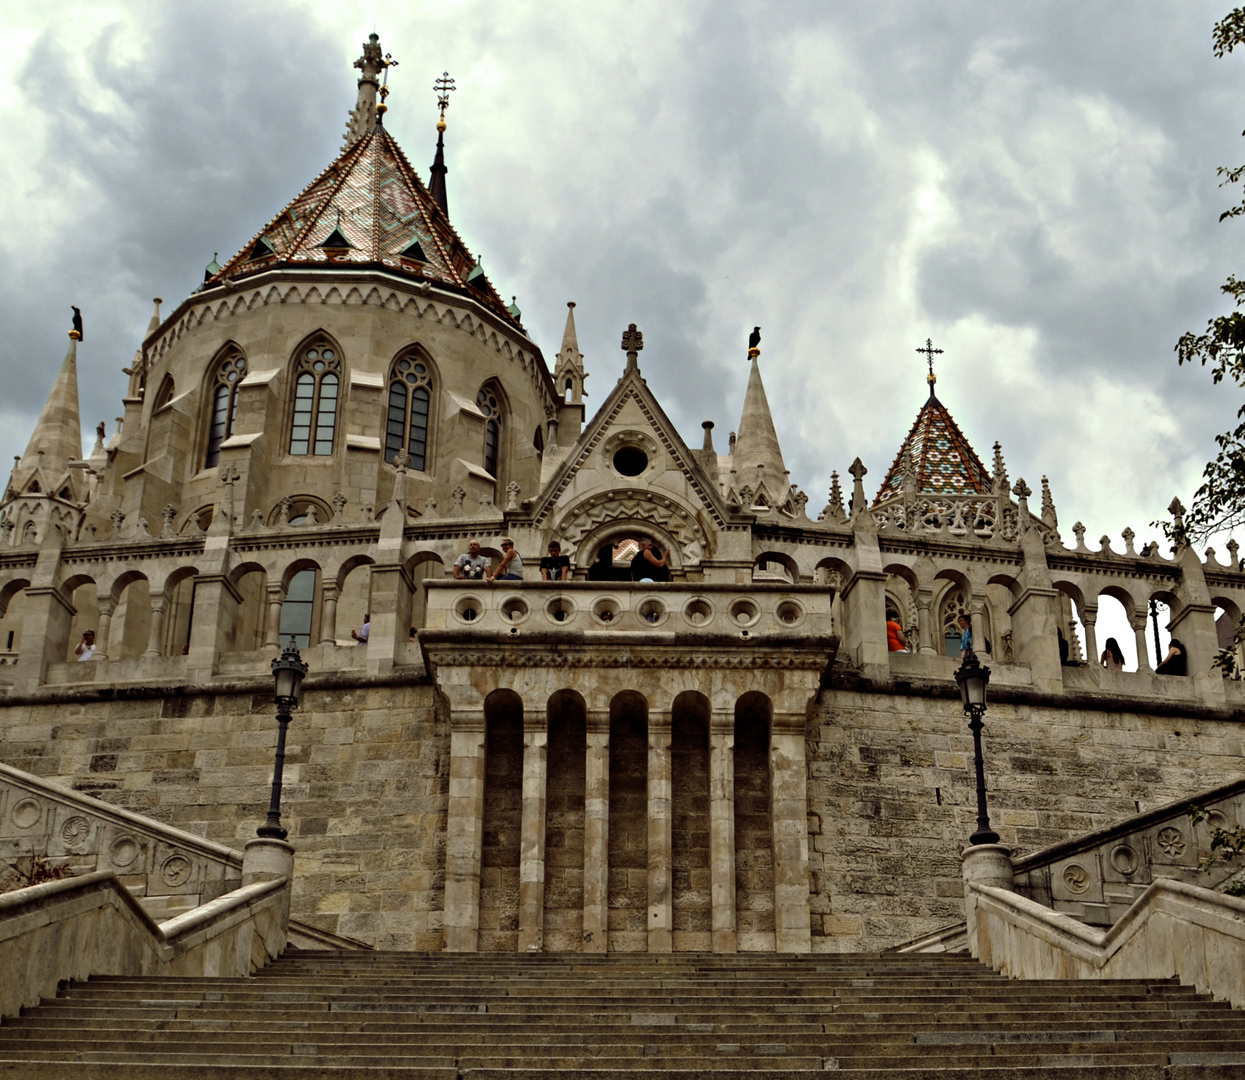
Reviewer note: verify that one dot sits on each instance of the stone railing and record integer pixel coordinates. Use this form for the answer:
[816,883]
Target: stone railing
[1097,877]
[91,925]
[1174,929]
[602,609]
[167,870]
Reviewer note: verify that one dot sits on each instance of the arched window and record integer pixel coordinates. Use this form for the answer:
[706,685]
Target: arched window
[299,608]
[230,370]
[317,381]
[490,405]
[167,392]
[410,403]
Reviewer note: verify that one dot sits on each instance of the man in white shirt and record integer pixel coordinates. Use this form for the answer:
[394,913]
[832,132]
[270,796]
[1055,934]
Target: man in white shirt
[471,566]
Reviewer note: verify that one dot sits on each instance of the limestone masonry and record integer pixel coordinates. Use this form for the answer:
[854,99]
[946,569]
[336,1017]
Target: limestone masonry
[728,760]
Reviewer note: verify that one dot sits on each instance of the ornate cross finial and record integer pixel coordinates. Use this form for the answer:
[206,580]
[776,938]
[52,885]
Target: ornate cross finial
[930,352]
[632,344]
[444,86]
[385,65]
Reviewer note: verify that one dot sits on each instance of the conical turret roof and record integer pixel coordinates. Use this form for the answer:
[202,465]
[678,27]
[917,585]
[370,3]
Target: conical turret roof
[756,442]
[371,197]
[942,460]
[57,437]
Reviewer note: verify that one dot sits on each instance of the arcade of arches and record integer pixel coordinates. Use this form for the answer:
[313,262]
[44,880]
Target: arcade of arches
[672,820]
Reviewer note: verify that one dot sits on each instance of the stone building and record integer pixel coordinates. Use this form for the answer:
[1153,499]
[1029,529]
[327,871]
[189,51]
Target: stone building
[730,760]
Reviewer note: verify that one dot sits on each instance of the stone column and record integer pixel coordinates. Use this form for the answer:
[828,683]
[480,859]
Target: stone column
[722,830]
[789,816]
[392,590]
[1089,618]
[924,601]
[328,614]
[106,607]
[1137,620]
[272,635]
[45,635]
[597,833]
[983,864]
[155,638]
[213,622]
[532,829]
[464,829]
[660,845]
[864,618]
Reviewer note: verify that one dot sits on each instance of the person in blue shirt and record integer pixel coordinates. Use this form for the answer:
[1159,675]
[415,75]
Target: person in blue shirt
[966,634]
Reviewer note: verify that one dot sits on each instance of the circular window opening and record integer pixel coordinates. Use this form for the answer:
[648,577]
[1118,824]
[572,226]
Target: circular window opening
[630,461]
[789,612]
[606,611]
[468,609]
[744,612]
[560,610]
[698,612]
[514,609]
[652,611]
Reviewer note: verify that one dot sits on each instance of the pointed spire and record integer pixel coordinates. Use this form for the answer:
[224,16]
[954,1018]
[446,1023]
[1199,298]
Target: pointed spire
[212,268]
[363,116]
[568,370]
[444,86]
[757,441]
[57,437]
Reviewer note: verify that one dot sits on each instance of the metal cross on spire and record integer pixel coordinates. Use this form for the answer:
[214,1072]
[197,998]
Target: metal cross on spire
[386,64]
[930,352]
[444,86]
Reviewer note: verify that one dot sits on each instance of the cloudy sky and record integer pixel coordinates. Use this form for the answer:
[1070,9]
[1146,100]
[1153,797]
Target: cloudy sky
[1031,185]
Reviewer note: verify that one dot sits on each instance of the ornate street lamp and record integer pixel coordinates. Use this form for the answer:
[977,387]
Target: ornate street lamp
[287,671]
[972,679]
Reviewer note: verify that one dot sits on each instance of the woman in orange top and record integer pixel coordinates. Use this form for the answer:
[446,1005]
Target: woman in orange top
[895,641]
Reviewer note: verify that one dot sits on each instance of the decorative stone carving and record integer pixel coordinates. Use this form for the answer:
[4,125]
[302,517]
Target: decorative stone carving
[1076,878]
[1125,860]
[1172,842]
[175,870]
[75,830]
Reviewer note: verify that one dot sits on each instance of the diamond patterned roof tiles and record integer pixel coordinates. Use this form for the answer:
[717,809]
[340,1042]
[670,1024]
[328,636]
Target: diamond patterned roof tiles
[372,195]
[944,462]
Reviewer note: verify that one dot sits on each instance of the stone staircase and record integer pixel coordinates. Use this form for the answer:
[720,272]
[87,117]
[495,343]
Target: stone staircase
[489,1017]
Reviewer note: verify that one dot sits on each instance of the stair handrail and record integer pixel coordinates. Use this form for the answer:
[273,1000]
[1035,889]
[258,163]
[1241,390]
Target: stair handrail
[1172,930]
[92,925]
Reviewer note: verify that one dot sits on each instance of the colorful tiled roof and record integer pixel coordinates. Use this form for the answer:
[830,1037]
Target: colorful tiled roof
[943,461]
[371,198]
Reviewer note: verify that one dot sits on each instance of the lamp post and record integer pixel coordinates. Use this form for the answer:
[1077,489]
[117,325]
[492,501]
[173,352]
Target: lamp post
[972,679]
[287,671]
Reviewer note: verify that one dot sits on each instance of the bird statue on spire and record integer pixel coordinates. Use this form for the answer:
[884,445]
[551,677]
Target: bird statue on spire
[76,332]
[754,343]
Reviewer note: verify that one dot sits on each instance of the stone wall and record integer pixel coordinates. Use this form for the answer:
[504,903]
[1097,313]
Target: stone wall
[366,775]
[891,800]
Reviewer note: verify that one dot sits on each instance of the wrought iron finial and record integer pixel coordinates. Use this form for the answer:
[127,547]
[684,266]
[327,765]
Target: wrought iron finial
[930,352]
[444,86]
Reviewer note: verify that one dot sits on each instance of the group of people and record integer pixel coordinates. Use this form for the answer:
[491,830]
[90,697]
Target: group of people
[649,564]
[1176,661]
[897,641]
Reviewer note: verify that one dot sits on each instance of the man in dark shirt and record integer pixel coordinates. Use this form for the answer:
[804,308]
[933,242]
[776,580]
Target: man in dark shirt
[556,566]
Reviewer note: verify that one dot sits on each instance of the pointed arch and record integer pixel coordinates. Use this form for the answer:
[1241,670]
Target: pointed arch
[166,393]
[492,402]
[317,382]
[408,414]
[225,374]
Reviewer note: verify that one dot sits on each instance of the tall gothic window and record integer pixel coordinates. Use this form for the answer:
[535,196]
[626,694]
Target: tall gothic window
[317,382]
[410,402]
[490,405]
[230,370]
